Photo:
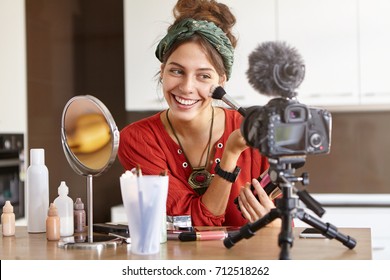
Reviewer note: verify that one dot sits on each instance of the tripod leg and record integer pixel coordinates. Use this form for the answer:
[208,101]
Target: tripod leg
[285,239]
[248,230]
[328,230]
[286,206]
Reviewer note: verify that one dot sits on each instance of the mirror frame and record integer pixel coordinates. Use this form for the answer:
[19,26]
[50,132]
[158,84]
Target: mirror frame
[74,162]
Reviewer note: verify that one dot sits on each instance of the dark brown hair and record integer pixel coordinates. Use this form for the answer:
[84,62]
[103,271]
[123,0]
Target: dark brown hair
[211,11]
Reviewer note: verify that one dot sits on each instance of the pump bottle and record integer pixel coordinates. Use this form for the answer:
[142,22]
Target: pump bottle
[37,192]
[64,206]
[52,224]
[8,219]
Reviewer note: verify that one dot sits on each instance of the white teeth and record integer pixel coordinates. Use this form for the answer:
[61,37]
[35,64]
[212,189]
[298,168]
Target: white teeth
[186,102]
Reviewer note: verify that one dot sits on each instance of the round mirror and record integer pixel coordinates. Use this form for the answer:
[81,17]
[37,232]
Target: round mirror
[90,140]
[89,135]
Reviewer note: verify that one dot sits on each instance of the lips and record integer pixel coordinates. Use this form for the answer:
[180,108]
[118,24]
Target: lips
[185,102]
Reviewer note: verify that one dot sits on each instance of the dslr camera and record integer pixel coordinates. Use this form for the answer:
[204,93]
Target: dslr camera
[285,127]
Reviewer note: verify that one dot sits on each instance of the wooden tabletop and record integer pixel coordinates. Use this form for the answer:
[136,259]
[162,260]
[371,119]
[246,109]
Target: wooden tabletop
[262,246]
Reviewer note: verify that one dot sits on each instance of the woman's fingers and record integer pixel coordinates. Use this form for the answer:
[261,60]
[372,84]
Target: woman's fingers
[252,208]
[262,195]
[244,202]
[243,208]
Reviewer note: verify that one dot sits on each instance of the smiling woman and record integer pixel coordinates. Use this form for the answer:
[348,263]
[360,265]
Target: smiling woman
[187,77]
[200,145]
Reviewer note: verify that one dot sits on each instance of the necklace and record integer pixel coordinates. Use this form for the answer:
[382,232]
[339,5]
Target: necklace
[200,178]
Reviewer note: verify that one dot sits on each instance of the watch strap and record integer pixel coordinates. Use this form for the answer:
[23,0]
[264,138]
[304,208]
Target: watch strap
[229,176]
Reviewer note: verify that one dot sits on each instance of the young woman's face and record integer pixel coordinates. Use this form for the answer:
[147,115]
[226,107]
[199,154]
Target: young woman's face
[187,79]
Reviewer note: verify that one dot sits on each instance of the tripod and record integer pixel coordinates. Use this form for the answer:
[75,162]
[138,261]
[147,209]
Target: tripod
[282,173]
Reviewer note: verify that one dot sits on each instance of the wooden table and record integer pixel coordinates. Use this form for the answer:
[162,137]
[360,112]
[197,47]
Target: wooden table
[262,246]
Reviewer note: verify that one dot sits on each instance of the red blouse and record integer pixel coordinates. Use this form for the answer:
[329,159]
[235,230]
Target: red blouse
[148,144]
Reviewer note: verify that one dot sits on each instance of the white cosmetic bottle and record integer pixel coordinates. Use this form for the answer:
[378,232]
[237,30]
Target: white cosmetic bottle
[37,192]
[8,219]
[64,206]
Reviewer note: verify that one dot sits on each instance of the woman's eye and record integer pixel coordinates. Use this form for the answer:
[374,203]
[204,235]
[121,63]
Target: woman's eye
[176,71]
[205,76]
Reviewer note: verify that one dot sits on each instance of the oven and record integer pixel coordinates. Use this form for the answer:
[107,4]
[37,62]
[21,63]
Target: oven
[12,172]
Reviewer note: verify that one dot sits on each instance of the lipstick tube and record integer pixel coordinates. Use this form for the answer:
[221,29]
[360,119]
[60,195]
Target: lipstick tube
[202,235]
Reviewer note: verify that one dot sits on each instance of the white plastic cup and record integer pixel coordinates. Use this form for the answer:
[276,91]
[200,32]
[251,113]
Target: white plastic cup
[144,199]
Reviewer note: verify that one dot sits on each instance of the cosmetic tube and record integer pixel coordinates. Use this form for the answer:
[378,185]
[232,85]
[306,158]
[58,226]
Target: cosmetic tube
[202,235]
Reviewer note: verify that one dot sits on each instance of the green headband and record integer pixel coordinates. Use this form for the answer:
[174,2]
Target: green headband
[208,30]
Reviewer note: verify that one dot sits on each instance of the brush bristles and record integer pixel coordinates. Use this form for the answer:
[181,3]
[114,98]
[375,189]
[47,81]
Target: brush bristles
[217,92]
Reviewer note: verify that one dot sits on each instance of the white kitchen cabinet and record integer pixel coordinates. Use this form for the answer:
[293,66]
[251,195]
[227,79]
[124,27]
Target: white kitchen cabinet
[374,41]
[255,24]
[325,33]
[13,77]
[145,23]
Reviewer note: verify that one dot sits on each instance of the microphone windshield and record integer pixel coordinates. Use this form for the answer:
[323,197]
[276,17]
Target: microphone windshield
[275,69]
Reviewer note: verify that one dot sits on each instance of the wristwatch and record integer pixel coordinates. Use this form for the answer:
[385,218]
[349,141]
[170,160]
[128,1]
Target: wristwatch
[231,177]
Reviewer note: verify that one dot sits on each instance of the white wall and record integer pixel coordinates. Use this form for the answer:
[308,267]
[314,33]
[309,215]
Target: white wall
[13,78]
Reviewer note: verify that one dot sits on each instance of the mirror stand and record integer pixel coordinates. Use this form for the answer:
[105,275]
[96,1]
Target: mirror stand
[90,140]
[90,207]
[91,242]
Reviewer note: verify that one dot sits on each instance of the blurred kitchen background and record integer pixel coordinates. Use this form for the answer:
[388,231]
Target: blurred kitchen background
[51,51]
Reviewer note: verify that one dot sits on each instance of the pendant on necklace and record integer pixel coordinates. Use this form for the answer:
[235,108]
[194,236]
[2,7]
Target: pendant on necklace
[199,178]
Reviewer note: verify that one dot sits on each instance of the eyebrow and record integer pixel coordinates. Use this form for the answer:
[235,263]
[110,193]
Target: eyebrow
[200,69]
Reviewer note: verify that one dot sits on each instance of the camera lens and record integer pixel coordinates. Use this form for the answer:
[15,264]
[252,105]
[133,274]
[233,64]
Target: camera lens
[252,126]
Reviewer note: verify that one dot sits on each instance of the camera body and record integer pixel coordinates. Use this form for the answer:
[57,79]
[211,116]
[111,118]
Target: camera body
[285,127]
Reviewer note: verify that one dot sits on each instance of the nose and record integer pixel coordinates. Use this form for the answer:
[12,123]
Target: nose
[187,85]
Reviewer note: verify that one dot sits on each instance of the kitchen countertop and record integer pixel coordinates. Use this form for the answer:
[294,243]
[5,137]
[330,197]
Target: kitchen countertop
[263,245]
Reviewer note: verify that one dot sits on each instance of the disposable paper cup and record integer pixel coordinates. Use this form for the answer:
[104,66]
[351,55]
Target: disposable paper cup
[144,199]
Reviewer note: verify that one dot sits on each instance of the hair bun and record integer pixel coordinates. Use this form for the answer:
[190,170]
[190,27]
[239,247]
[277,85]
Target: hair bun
[209,10]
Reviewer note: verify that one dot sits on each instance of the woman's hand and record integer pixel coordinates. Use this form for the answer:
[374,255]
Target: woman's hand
[253,209]
[236,142]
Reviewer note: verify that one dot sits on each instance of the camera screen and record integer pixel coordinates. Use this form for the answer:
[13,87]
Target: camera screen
[291,136]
